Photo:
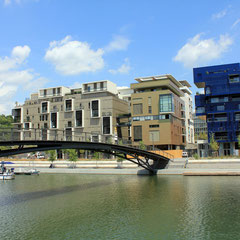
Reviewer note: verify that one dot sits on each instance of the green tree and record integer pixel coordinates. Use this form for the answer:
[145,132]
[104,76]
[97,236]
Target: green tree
[72,156]
[52,155]
[96,155]
[142,146]
[202,136]
[213,144]
[6,123]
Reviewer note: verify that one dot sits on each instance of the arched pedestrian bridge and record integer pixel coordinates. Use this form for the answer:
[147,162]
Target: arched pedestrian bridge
[10,138]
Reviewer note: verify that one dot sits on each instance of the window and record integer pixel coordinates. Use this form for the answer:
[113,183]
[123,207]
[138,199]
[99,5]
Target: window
[95,86]
[220,107]
[44,107]
[149,109]
[44,92]
[58,90]
[137,130]
[106,125]
[95,138]
[53,120]
[154,136]
[208,90]
[234,78]
[101,85]
[166,103]
[149,101]
[26,126]
[200,110]
[54,91]
[79,118]
[68,105]
[95,108]
[137,109]
[154,126]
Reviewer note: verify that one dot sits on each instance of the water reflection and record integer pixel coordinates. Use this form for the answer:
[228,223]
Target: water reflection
[120,207]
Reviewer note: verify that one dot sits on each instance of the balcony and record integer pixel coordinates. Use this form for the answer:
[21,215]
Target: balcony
[90,90]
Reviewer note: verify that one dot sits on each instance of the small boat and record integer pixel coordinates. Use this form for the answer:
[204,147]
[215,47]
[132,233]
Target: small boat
[7,176]
[32,172]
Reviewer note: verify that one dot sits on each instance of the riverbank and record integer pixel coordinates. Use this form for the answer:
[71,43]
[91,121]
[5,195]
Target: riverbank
[203,167]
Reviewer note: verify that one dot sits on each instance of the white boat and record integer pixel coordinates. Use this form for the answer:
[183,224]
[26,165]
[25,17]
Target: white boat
[32,172]
[7,176]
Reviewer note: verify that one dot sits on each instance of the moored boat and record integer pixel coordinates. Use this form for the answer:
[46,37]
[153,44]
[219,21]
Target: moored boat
[32,172]
[7,176]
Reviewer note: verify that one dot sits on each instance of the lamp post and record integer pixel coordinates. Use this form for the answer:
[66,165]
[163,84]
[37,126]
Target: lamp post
[152,140]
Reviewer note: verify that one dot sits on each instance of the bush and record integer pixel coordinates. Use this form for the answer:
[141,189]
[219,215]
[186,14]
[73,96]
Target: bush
[195,155]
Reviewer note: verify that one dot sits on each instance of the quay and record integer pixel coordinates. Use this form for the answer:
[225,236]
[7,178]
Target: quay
[203,167]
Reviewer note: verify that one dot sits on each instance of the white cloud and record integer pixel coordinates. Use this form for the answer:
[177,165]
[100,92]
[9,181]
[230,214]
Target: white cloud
[199,51]
[235,23]
[118,43]
[7,2]
[13,79]
[76,85]
[74,57]
[18,56]
[123,69]
[220,14]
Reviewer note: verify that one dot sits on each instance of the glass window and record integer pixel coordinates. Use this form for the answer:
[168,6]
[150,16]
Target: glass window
[166,103]
[149,109]
[137,130]
[220,108]
[234,78]
[95,108]
[208,90]
[137,108]
[106,125]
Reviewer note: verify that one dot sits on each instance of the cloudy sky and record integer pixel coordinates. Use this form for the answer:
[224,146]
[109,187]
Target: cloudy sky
[46,43]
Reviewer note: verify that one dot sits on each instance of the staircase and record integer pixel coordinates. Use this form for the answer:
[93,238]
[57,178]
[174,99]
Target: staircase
[177,163]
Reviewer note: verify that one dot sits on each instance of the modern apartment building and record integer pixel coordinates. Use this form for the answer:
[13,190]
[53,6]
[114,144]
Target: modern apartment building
[157,109]
[220,102]
[71,114]
[188,111]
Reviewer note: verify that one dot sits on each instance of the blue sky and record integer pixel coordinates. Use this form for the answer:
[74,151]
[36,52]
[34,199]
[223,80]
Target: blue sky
[48,43]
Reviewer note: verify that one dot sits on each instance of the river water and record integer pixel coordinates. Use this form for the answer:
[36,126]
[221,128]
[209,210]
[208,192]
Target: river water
[74,206]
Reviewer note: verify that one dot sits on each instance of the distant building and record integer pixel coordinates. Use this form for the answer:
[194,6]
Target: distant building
[188,112]
[157,110]
[200,125]
[220,103]
[92,109]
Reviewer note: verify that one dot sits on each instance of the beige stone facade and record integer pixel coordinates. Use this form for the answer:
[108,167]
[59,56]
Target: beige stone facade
[71,114]
[157,113]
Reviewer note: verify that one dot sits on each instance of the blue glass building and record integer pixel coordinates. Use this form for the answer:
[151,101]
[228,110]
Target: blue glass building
[220,103]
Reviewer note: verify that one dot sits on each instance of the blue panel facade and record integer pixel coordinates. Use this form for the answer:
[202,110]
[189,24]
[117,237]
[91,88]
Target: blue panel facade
[220,101]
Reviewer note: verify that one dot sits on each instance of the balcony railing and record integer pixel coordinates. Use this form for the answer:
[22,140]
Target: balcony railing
[94,90]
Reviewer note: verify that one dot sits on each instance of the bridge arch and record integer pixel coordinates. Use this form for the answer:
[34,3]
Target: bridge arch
[148,160]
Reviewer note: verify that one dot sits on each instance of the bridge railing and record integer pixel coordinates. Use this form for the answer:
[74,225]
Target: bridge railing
[68,134]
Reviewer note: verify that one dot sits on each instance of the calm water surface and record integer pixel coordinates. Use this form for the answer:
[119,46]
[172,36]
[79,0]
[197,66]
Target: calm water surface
[72,206]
